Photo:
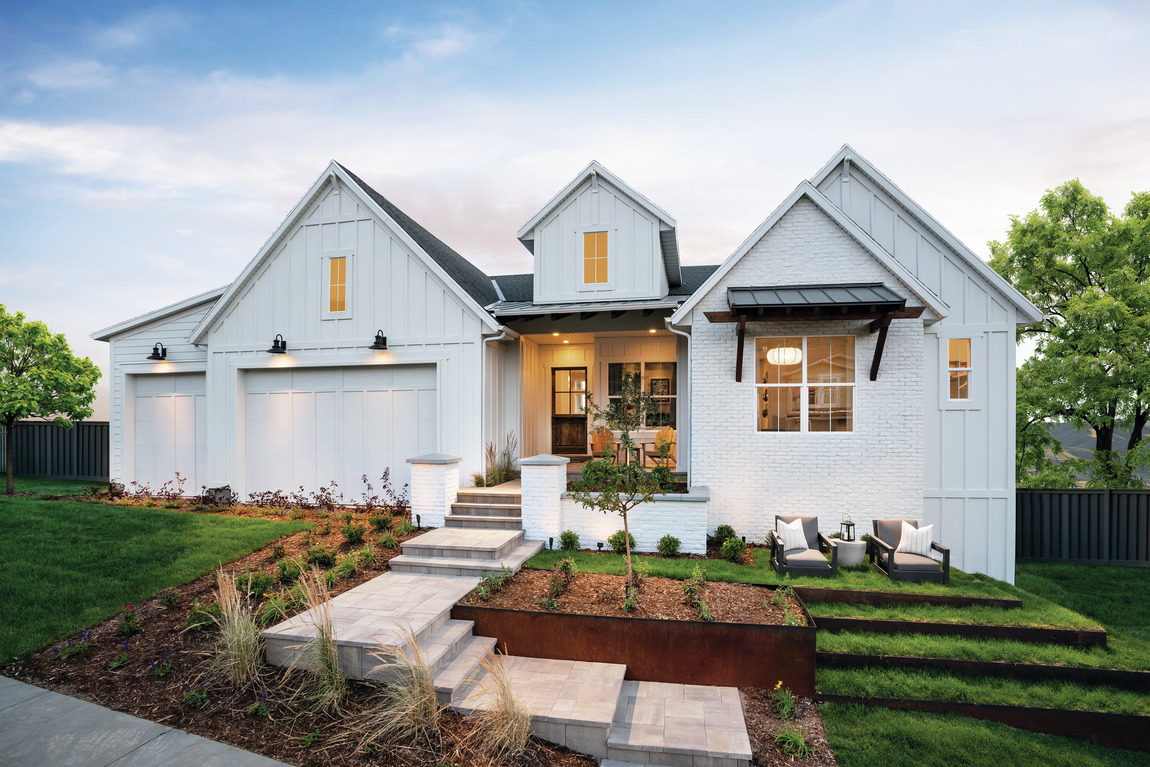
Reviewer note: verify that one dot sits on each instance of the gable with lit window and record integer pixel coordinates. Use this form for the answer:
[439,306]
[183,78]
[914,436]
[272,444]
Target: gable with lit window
[805,384]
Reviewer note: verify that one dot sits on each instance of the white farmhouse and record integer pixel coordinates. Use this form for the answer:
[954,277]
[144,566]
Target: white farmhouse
[850,357]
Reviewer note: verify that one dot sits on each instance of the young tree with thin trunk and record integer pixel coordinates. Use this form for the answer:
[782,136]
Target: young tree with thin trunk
[40,378]
[1089,273]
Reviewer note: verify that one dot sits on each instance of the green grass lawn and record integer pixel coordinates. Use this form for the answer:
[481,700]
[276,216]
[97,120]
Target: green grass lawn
[68,565]
[1119,597]
[865,737]
[54,486]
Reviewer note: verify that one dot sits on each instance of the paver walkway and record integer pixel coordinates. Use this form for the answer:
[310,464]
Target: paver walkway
[39,728]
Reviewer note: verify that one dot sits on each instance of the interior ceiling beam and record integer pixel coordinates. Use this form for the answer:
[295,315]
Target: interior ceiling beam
[617,315]
[560,316]
[648,312]
[587,315]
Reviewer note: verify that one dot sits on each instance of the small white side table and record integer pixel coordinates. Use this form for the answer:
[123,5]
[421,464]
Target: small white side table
[851,553]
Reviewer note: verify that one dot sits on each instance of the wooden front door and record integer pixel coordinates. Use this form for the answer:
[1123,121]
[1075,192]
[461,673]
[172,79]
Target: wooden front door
[568,421]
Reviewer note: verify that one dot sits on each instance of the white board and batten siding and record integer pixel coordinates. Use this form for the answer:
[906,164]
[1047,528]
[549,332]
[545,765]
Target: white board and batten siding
[969,482]
[390,289]
[635,261]
[155,406]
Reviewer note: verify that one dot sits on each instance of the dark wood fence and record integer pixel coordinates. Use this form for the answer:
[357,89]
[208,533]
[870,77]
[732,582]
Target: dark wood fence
[1107,527]
[45,450]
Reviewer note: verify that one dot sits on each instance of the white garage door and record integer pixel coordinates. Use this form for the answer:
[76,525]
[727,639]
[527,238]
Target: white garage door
[312,426]
[170,417]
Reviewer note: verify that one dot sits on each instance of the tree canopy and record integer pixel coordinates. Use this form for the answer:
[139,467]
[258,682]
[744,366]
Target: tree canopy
[1088,270]
[40,378]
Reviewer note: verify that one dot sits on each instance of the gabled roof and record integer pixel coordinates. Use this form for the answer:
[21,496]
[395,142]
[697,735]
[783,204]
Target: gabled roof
[667,239]
[128,325]
[460,276]
[992,277]
[516,287]
[807,190]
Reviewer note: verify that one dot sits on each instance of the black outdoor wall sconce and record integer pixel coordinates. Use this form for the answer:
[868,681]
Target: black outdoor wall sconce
[279,345]
[159,352]
[380,343]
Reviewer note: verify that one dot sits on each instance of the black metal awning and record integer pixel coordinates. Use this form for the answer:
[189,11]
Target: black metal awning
[792,303]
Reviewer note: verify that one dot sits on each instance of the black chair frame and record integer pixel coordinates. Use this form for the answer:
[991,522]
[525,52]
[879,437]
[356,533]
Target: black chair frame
[882,557]
[825,543]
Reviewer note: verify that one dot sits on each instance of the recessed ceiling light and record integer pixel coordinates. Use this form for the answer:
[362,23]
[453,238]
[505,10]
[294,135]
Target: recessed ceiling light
[566,341]
[554,334]
[652,330]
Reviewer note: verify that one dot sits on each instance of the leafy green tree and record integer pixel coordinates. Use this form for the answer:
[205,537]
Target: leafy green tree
[40,378]
[1089,272]
[617,488]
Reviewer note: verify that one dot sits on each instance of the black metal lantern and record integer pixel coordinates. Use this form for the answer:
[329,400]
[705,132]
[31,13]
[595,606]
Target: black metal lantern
[847,528]
[279,345]
[380,343]
[158,353]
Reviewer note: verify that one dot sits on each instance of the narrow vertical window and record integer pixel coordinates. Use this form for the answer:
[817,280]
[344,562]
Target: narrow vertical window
[958,368]
[337,285]
[594,258]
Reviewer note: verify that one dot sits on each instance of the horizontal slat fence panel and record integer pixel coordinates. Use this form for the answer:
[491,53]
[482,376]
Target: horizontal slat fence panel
[45,450]
[1105,527]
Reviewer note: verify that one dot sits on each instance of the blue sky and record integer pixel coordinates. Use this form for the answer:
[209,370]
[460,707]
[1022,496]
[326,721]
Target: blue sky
[148,150]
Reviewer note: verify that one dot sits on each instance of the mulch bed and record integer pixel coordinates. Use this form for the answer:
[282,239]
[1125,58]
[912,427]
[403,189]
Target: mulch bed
[136,689]
[601,594]
[763,723]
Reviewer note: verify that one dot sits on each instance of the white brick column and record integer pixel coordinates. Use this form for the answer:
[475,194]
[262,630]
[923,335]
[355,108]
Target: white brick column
[434,487]
[544,479]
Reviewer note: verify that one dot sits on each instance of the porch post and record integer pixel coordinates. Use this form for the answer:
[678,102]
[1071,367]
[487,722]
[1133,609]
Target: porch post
[544,478]
[434,487]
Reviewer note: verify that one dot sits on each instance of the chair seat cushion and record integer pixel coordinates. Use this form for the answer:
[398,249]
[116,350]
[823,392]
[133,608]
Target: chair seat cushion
[805,558]
[914,562]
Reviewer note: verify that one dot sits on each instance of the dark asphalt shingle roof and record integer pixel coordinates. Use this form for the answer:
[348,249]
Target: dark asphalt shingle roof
[693,279]
[466,274]
[516,287]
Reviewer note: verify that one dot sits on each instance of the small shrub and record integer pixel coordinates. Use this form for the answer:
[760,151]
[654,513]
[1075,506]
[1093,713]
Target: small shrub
[548,603]
[365,557]
[129,620]
[782,596]
[353,533]
[405,528]
[161,666]
[254,583]
[733,549]
[279,551]
[640,570]
[723,533]
[631,601]
[569,541]
[330,578]
[668,546]
[346,566]
[347,517]
[791,618]
[784,701]
[297,514]
[482,591]
[121,659]
[380,522]
[290,569]
[203,616]
[387,540]
[321,556]
[705,613]
[326,529]
[195,696]
[275,608]
[790,739]
[567,568]
[618,543]
[168,598]
[74,646]
[555,583]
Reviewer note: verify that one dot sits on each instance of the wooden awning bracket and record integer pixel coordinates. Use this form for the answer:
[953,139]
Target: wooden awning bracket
[880,325]
[739,350]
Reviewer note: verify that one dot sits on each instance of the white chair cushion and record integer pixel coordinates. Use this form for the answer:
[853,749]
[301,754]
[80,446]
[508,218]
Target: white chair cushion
[793,535]
[915,541]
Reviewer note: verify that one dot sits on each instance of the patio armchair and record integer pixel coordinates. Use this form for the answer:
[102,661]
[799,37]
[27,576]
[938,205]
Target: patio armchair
[901,565]
[808,561]
[665,436]
[603,444]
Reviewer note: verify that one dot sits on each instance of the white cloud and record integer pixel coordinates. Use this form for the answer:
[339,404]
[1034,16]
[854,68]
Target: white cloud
[141,28]
[66,75]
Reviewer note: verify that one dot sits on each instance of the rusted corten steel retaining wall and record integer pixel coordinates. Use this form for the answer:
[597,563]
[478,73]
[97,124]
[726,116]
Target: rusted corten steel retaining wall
[851,596]
[1070,637]
[1128,731]
[683,652]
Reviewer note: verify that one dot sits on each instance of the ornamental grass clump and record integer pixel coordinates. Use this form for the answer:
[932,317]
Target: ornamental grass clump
[406,709]
[502,729]
[324,684]
[239,650]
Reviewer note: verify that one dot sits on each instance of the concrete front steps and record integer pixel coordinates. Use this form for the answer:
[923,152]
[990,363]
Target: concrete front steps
[495,508]
[464,551]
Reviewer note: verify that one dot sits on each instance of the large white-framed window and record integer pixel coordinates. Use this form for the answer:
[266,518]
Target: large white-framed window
[658,379]
[337,279]
[805,383]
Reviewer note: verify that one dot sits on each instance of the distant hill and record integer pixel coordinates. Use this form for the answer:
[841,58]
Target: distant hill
[1079,443]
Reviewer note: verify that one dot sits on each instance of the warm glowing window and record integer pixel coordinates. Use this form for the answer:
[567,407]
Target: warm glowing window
[805,384]
[958,367]
[594,258]
[337,285]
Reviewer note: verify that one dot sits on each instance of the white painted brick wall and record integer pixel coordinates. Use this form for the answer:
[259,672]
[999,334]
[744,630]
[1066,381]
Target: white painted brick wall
[686,520]
[541,486]
[874,472]
[434,487]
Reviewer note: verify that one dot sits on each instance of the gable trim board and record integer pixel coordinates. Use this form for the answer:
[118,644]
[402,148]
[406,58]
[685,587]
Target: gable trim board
[807,191]
[333,172]
[157,314]
[993,279]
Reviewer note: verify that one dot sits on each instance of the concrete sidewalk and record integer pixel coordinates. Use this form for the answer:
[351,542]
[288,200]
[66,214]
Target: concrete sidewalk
[44,729]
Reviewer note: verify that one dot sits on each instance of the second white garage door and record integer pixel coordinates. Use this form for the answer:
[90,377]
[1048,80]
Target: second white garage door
[309,427]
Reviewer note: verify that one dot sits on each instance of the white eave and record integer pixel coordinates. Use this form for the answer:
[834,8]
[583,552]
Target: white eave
[993,278]
[123,327]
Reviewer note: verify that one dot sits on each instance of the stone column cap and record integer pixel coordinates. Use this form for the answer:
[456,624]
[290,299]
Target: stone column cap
[545,459]
[435,458]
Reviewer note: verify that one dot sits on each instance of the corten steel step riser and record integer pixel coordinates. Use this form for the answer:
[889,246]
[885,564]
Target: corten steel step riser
[1039,635]
[874,598]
